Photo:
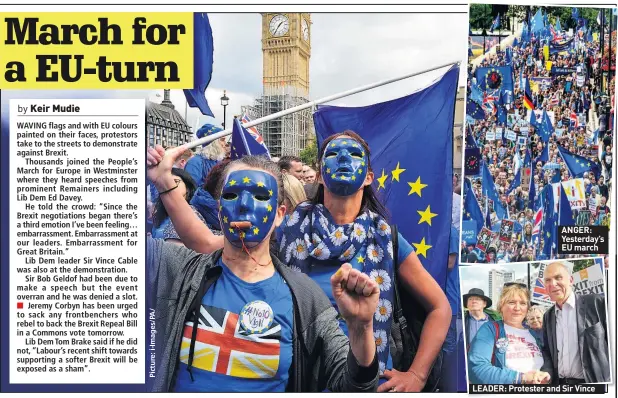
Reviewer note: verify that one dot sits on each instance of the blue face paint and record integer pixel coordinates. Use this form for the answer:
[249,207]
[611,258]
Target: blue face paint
[344,166]
[248,195]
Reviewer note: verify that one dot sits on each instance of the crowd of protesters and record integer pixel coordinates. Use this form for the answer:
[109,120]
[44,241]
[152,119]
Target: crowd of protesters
[576,102]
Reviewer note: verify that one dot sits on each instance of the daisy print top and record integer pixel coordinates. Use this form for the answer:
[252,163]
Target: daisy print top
[310,242]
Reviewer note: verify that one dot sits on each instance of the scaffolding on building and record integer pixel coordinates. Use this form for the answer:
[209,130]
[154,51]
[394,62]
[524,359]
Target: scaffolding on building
[287,135]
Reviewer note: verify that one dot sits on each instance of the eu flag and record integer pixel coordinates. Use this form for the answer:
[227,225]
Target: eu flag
[495,77]
[202,63]
[549,224]
[411,141]
[537,24]
[472,210]
[531,195]
[244,144]
[546,128]
[489,190]
[577,164]
[566,214]
[474,110]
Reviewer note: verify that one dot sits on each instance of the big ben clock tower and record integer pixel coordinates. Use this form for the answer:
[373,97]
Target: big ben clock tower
[286,48]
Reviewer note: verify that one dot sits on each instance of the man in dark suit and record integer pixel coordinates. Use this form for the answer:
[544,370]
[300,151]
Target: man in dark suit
[575,332]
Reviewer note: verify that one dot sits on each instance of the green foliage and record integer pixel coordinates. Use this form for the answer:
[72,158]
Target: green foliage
[309,155]
[579,265]
[480,16]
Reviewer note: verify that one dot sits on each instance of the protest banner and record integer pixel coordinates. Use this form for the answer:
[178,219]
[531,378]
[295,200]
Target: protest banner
[558,71]
[583,217]
[468,231]
[510,135]
[525,178]
[483,239]
[575,192]
[490,135]
[589,280]
[506,230]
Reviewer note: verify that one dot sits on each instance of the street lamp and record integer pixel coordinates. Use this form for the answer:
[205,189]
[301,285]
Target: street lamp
[224,101]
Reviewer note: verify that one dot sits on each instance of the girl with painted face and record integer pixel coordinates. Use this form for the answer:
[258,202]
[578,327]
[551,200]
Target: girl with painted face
[346,224]
[237,320]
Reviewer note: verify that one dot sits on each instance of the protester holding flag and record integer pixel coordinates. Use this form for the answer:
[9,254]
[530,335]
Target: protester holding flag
[199,165]
[270,316]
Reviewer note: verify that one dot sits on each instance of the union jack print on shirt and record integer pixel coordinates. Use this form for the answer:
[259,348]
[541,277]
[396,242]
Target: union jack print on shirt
[222,346]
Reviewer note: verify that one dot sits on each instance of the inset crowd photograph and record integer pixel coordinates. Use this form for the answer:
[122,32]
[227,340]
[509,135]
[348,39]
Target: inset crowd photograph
[539,123]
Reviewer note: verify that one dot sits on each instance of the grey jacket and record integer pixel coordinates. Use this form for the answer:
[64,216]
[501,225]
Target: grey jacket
[322,358]
[591,335]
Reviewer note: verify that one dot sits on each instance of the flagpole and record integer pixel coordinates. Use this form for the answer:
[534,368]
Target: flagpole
[311,104]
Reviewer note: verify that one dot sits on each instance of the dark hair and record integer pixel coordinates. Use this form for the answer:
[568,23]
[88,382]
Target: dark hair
[285,162]
[213,178]
[370,199]
[256,162]
[160,214]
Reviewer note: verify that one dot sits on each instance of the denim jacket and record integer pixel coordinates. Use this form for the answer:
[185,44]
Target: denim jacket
[481,370]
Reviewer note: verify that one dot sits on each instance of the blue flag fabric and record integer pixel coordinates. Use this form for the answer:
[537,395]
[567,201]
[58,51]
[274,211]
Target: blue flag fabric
[515,42]
[474,110]
[202,63]
[549,222]
[476,94]
[534,123]
[472,210]
[565,211]
[495,24]
[574,14]
[411,141]
[558,47]
[244,144]
[531,196]
[536,24]
[544,156]
[577,164]
[489,190]
[525,34]
[547,129]
[558,26]
[508,55]
[495,78]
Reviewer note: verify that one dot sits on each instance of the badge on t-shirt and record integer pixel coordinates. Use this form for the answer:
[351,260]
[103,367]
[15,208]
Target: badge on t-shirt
[256,317]
[502,345]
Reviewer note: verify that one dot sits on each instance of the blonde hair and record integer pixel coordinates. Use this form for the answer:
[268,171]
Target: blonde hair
[293,191]
[511,291]
[213,151]
[535,310]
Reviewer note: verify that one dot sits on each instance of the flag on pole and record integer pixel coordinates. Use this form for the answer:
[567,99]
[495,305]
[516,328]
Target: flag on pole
[528,96]
[253,131]
[243,143]
[577,164]
[472,210]
[566,214]
[495,24]
[411,141]
[202,63]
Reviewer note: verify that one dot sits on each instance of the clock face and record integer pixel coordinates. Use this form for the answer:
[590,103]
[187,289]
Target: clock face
[305,29]
[279,25]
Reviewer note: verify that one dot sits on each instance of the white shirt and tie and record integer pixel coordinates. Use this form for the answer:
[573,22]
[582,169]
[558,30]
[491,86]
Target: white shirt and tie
[569,360]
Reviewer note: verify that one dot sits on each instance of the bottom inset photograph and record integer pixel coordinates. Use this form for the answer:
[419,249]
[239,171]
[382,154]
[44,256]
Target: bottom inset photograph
[536,323]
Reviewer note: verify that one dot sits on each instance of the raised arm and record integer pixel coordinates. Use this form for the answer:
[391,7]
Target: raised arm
[194,233]
[427,291]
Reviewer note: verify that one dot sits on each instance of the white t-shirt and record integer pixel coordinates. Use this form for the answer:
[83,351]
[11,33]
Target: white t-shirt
[522,353]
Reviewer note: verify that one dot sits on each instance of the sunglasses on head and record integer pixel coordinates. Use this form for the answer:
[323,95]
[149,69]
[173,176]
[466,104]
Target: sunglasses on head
[516,284]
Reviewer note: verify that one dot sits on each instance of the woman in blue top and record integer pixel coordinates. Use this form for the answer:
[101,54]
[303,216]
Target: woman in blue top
[347,224]
[507,352]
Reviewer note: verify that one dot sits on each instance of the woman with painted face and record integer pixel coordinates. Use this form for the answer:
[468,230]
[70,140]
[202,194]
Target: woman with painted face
[347,224]
[238,320]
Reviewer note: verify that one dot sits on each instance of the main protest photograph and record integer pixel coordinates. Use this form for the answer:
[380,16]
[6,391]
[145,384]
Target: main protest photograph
[304,222]
[539,130]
